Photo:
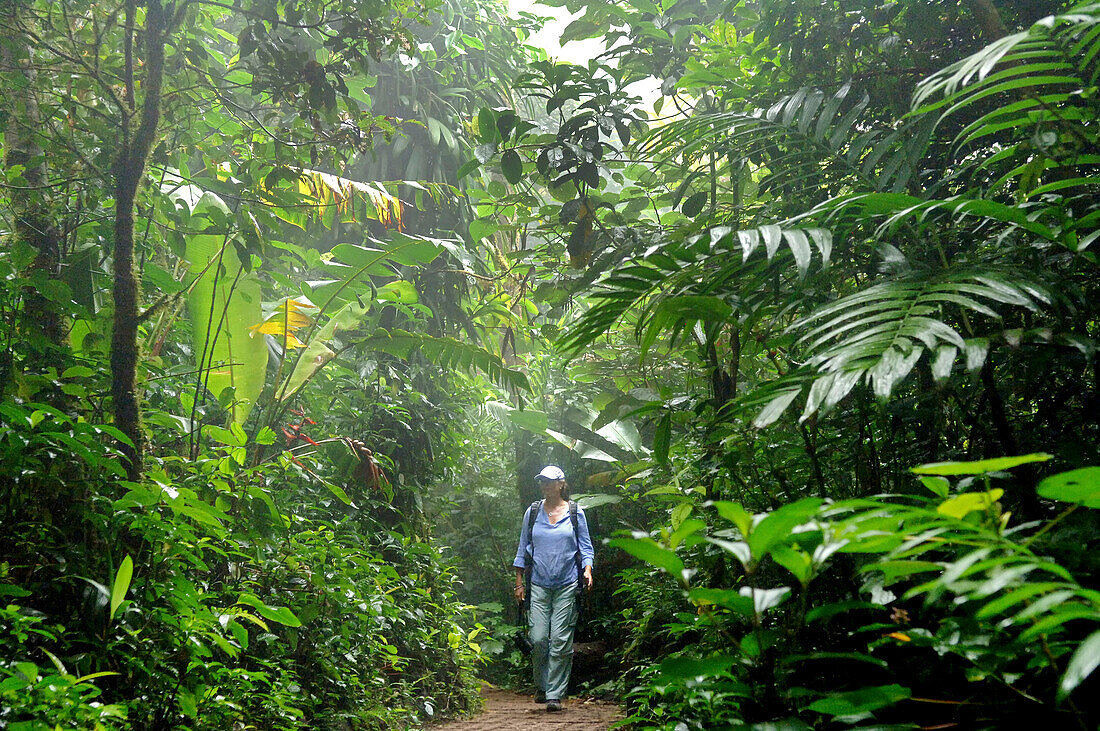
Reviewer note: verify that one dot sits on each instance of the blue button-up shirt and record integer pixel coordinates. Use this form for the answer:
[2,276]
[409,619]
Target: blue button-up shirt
[554,548]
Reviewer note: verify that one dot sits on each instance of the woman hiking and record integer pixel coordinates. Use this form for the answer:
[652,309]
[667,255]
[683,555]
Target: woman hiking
[553,565]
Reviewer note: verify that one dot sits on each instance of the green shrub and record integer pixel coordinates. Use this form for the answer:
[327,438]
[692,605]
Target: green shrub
[897,610]
[215,593]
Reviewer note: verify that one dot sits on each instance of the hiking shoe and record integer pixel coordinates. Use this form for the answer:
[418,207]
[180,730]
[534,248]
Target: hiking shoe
[553,706]
[540,696]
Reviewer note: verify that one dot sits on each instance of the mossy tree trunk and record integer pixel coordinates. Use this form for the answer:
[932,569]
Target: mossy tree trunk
[138,137]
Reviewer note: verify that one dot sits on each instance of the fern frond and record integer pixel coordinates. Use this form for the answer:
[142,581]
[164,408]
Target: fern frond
[878,334]
[447,353]
[676,285]
[1041,77]
[802,136]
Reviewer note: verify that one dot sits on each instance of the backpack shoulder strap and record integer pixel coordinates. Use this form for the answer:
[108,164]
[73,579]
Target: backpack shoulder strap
[577,560]
[576,533]
[532,516]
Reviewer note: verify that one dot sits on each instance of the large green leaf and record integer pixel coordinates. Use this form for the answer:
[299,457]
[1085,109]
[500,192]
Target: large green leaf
[736,514]
[1076,486]
[622,433]
[595,500]
[583,449]
[224,304]
[282,615]
[777,526]
[981,466]
[652,553]
[739,549]
[864,700]
[121,585]
[765,599]
[731,599]
[962,505]
[529,419]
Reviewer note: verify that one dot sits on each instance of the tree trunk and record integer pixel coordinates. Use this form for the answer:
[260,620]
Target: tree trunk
[1025,476]
[721,382]
[809,441]
[528,464]
[135,148]
[989,18]
[41,320]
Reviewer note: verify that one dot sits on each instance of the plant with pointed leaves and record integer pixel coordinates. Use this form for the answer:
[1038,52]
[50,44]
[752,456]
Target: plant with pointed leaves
[887,201]
[948,579]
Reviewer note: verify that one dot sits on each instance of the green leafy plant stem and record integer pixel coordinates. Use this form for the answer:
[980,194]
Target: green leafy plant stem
[206,367]
[206,344]
[1054,521]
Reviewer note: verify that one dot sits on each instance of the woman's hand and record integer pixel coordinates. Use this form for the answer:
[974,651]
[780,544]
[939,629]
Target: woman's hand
[519,593]
[588,578]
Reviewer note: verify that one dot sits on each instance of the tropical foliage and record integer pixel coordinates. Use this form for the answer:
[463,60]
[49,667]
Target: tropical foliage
[874,292]
[204,540]
[296,296]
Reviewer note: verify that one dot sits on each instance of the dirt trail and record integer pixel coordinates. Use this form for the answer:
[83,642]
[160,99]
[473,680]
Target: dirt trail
[507,711]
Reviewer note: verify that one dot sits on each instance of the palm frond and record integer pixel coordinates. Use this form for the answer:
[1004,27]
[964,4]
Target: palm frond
[447,353]
[878,334]
[325,195]
[801,137]
[677,284]
[1037,81]
[889,212]
[1065,45]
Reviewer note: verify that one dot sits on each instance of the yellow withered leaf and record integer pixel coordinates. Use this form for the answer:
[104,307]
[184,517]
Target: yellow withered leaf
[325,190]
[286,320]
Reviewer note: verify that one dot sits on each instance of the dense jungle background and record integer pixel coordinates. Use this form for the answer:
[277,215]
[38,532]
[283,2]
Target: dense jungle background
[296,297]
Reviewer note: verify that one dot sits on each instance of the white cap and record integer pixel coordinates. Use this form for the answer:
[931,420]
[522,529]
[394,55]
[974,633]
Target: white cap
[550,472]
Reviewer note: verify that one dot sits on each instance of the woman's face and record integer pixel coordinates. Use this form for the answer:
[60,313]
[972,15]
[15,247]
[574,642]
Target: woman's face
[550,488]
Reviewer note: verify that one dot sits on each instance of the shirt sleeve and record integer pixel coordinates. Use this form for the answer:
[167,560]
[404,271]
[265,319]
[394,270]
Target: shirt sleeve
[524,541]
[588,554]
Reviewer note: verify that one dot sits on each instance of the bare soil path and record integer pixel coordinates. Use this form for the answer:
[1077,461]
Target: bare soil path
[508,711]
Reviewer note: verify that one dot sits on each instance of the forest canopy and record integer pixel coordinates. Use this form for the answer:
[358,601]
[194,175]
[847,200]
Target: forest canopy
[297,297]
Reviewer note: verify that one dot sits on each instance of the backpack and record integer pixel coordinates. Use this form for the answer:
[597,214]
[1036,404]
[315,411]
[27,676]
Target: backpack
[532,515]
